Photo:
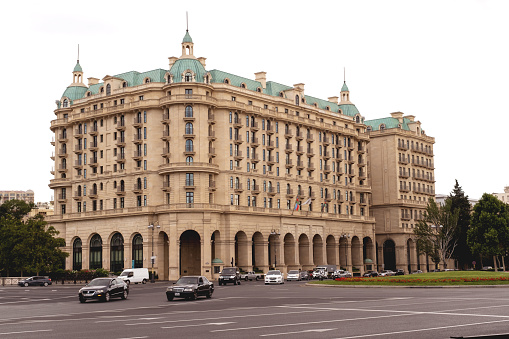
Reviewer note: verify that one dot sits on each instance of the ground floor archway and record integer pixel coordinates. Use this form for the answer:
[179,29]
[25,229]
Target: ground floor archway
[190,253]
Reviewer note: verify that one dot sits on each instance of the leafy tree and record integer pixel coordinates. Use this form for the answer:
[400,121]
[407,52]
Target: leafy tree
[489,231]
[28,244]
[435,234]
[459,202]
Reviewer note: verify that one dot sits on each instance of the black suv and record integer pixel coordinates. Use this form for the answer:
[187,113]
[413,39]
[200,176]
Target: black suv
[229,275]
[35,281]
[104,289]
[190,287]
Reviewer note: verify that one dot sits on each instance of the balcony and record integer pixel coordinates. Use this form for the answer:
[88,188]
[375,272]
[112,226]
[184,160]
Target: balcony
[138,155]
[310,152]
[326,155]
[189,150]
[120,142]
[78,133]
[254,142]
[289,193]
[78,149]
[300,150]
[237,123]
[120,157]
[350,146]
[288,148]
[288,134]
[92,194]
[93,162]
[189,133]
[137,138]
[328,197]
[271,160]
[326,140]
[361,163]
[270,129]
[255,158]
[62,168]
[289,163]
[166,136]
[327,169]
[300,165]
[189,184]
[212,186]
[138,188]
[137,122]
[254,126]
[361,149]
[405,216]
[362,175]
[270,145]
[351,172]
[311,167]
[94,145]
[255,189]
[93,130]
[77,195]
[120,125]
[310,138]
[238,155]
[211,118]
[166,118]
[403,161]
[237,139]
[62,137]
[62,198]
[212,152]
[188,117]
[238,188]
[120,190]
[271,191]
[62,153]
[299,135]
[402,147]
[350,160]
[78,164]
[212,135]
[166,186]
[404,188]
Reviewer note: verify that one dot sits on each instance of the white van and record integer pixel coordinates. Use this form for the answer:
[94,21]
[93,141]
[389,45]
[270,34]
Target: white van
[135,275]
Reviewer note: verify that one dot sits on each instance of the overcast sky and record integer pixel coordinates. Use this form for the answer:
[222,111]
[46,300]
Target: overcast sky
[445,62]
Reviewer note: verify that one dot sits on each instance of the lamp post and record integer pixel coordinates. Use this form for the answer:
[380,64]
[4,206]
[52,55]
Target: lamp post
[346,236]
[275,233]
[152,258]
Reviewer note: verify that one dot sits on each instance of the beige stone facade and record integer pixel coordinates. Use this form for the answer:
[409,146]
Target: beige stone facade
[26,196]
[504,197]
[402,177]
[189,166]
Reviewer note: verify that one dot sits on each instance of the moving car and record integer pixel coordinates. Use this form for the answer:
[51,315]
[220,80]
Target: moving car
[104,289]
[35,281]
[135,275]
[293,275]
[190,288]
[386,273]
[274,277]
[371,274]
[304,275]
[251,275]
[400,272]
[342,274]
[229,275]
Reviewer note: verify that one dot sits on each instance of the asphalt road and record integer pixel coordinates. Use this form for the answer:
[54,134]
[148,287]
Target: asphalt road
[254,310]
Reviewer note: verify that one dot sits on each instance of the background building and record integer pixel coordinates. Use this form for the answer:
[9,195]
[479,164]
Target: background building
[26,196]
[191,167]
[504,197]
[402,177]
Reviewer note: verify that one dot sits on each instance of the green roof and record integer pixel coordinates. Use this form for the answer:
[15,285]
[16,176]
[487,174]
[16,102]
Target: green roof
[388,122]
[219,77]
[74,92]
[182,65]
[187,37]
[349,109]
[274,88]
[344,88]
[217,261]
[77,68]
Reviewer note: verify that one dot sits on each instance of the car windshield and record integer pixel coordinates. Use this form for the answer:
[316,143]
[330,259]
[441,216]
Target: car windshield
[273,273]
[229,271]
[187,280]
[124,274]
[293,272]
[99,282]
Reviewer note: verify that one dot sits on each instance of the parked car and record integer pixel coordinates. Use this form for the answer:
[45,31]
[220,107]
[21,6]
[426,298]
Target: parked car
[135,275]
[104,289]
[293,275]
[190,288]
[304,275]
[342,274]
[35,281]
[371,274]
[229,275]
[400,272]
[274,277]
[416,272]
[251,275]
[386,273]
[486,268]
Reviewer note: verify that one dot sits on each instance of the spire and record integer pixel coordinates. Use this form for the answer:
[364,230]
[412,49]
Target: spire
[77,68]
[187,38]
[187,44]
[345,87]
[77,73]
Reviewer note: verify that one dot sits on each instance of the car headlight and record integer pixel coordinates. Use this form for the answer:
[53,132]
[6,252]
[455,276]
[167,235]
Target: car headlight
[188,289]
[100,291]
[169,289]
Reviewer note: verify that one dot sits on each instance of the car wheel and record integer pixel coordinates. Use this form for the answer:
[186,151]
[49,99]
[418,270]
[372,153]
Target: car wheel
[194,296]
[209,294]
[245,278]
[144,281]
[45,284]
[107,297]
[238,282]
[124,295]
[266,283]
[26,284]
[128,282]
[82,300]
[256,278]
[169,297]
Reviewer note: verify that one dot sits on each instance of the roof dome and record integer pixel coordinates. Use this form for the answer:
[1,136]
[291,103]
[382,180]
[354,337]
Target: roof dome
[75,92]
[77,68]
[349,109]
[187,37]
[182,65]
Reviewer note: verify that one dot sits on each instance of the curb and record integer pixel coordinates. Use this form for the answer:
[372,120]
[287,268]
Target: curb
[389,286]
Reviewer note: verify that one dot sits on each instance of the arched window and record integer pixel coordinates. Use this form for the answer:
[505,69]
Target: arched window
[189,160]
[189,111]
[357,119]
[96,252]
[147,80]
[231,182]
[122,185]
[117,253]
[288,189]
[108,89]
[382,127]
[77,255]
[102,89]
[237,182]
[281,94]
[124,84]
[243,85]
[226,81]
[65,103]
[189,146]
[297,100]
[168,79]
[79,191]
[189,128]
[188,77]
[310,191]
[258,89]
[138,251]
[299,190]
[248,184]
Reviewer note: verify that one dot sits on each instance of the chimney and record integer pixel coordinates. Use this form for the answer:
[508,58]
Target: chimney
[92,81]
[262,78]
[172,60]
[202,61]
[398,115]
[299,87]
[334,100]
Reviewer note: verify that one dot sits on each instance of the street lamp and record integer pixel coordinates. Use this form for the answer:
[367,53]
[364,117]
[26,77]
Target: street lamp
[275,233]
[346,236]
[152,258]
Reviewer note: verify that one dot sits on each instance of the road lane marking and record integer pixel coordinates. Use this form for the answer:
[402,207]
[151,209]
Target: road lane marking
[134,337]
[21,332]
[198,325]
[422,329]
[318,330]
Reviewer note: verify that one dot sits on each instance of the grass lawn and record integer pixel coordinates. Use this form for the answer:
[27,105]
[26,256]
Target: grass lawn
[428,279]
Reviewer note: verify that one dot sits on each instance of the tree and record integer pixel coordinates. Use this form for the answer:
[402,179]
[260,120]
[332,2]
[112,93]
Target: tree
[28,244]
[489,231]
[459,202]
[435,234]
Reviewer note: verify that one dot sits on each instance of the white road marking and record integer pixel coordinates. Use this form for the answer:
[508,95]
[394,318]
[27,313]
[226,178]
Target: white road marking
[134,337]
[319,330]
[198,325]
[422,329]
[21,332]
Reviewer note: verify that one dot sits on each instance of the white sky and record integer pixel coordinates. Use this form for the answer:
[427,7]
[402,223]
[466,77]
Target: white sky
[446,62]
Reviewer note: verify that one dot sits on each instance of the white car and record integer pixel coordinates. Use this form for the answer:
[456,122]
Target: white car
[274,277]
[293,275]
[386,273]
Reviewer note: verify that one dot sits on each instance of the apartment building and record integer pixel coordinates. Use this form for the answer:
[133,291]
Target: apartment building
[185,169]
[26,196]
[402,178]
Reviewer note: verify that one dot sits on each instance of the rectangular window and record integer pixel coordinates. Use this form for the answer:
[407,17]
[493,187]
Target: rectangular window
[233,98]
[231,133]
[140,97]
[189,179]
[231,164]
[114,203]
[144,200]
[144,133]
[101,205]
[122,202]
[122,101]
[79,207]
[138,200]
[63,209]
[144,165]
[144,116]
[145,149]
[188,91]
[248,201]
